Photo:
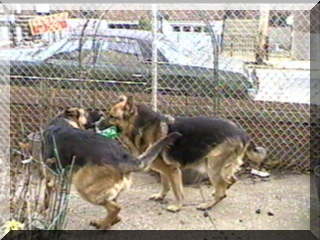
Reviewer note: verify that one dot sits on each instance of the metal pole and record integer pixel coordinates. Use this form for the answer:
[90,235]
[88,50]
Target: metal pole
[262,35]
[154,58]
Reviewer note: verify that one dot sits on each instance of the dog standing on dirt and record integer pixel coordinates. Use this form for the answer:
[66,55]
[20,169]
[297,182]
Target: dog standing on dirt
[74,116]
[103,167]
[217,144]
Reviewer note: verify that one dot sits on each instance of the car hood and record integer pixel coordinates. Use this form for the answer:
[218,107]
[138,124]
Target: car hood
[225,64]
[30,54]
[18,54]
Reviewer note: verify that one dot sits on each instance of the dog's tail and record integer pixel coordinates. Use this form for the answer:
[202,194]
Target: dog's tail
[153,151]
[256,154]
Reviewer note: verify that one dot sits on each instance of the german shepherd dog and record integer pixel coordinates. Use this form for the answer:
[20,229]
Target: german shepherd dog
[218,145]
[103,166]
[77,117]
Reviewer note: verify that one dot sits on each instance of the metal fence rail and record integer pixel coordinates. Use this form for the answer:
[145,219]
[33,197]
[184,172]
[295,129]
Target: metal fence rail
[208,63]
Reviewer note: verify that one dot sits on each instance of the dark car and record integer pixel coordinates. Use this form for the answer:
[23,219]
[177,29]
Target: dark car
[124,57]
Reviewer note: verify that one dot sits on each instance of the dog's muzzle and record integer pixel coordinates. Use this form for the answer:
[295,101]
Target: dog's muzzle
[97,124]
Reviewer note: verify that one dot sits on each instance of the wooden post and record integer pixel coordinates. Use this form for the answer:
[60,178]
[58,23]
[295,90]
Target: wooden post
[262,36]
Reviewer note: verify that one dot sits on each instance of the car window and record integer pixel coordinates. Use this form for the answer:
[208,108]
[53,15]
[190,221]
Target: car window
[87,56]
[173,52]
[119,51]
[70,52]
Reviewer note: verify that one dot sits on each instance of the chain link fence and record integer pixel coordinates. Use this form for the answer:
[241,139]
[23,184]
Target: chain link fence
[250,66]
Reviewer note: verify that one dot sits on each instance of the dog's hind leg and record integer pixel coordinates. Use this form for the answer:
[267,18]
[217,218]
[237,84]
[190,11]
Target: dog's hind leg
[220,193]
[101,185]
[112,218]
[222,163]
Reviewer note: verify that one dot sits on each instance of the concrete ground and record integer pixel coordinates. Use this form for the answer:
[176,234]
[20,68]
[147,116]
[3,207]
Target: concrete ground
[283,200]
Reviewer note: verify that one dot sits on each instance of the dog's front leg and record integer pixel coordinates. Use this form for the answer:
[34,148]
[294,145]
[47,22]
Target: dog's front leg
[175,177]
[164,191]
[132,148]
[173,174]
[49,187]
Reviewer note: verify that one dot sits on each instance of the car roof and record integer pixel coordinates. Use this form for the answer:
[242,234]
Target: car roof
[135,34]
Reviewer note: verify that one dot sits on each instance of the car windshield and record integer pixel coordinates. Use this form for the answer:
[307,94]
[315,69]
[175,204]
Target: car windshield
[72,44]
[173,52]
[63,46]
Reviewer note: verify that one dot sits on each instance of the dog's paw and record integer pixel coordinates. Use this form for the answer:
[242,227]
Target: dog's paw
[103,224]
[95,224]
[100,225]
[115,220]
[204,206]
[104,227]
[157,197]
[173,208]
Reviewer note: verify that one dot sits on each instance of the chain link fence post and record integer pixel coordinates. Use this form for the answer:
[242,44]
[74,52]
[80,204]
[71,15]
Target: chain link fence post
[154,98]
[178,70]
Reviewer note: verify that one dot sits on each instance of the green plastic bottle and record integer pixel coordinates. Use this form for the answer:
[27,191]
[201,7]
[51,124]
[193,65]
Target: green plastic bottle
[110,132]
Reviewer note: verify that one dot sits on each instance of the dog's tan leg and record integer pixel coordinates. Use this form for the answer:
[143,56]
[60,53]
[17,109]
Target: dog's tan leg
[164,191]
[222,164]
[220,193]
[175,177]
[173,174]
[130,145]
[112,218]
[100,185]
[47,197]
[49,188]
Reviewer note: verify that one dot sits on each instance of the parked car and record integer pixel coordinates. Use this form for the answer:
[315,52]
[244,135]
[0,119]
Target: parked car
[118,56]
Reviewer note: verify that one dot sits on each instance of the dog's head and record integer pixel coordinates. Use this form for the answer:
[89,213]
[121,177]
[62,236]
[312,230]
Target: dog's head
[82,118]
[256,156]
[94,118]
[123,111]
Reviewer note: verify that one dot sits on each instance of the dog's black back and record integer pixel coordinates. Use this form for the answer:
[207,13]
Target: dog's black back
[64,142]
[148,116]
[85,146]
[200,136]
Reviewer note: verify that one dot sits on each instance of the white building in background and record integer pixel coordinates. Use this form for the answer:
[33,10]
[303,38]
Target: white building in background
[20,31]
[194,35]
[4,32]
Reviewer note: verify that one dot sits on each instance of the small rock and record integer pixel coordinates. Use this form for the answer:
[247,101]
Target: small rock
[205,214]
[159,213]
[240,220]
[258,211]
[270,214]
[182,222]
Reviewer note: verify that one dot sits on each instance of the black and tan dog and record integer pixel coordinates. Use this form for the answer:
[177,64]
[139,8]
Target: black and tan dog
[218,145]
[31,149]
[76,117]
[103,167]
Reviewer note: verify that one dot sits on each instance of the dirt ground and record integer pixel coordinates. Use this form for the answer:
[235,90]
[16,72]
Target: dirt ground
[283,200]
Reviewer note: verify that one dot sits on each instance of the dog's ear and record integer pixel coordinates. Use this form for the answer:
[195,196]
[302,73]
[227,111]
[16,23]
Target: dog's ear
[130,102]
[72,112]
[129,107]
[122,98]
